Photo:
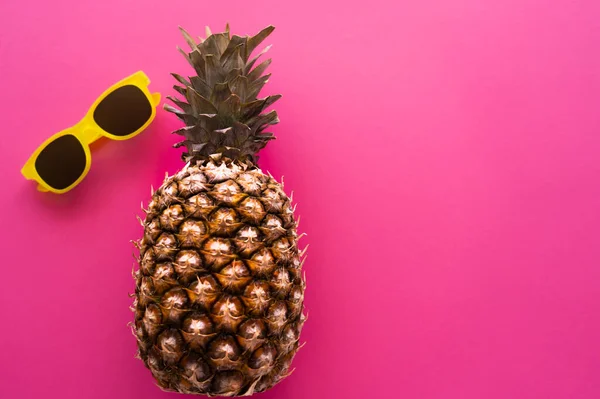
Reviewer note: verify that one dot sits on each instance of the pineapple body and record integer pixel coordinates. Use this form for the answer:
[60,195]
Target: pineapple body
[219,290]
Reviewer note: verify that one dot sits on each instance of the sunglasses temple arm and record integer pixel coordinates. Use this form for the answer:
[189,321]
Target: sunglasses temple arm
[155,98]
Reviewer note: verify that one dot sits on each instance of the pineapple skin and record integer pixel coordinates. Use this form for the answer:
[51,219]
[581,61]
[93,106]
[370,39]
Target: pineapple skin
[219,298]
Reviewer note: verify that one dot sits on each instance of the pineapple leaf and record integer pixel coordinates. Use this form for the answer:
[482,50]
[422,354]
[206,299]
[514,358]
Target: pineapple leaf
[199,104]
[232,49]
[181,79]
[200,135]
[257,85]
[230,141]
[186,56]
[188,119]
[190,41]
[234,60]
[266,136]
[179,89]
[259,122]
[241,133]
[235,41]
[258,71]
[220,93]
[230,108]
[181,104]
[197,147]
[169,108]
[239,86]
[199,63]
[233,74]
[270,100]
[250,110]
[208,122]
[222,41]
[184,131]
[214,45]
[181,143]
[214,74]
[200,86]
[256,40]
[251,63]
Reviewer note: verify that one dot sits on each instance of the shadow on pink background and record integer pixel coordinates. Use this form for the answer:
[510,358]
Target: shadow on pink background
[445,156]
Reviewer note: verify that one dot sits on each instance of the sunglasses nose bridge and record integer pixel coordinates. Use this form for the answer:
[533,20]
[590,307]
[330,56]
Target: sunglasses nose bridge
[89,134]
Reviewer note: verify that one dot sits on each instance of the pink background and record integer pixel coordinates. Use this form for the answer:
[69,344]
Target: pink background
[445,156]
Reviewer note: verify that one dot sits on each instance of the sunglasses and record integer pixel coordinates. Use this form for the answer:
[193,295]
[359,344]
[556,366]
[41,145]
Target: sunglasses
[120,113]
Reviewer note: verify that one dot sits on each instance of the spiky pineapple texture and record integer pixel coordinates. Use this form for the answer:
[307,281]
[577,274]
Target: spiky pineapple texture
[219,293]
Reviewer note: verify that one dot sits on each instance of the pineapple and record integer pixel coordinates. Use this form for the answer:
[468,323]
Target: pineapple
[219,290]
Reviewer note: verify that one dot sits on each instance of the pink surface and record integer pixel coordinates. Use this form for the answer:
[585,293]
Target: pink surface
[445,156]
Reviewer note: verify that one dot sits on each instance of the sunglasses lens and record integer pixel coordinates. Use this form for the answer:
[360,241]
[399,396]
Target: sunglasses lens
[62,162]
[123,111]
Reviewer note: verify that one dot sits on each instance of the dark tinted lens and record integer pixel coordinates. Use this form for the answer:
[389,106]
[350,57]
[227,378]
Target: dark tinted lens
[123,111]
[62,162]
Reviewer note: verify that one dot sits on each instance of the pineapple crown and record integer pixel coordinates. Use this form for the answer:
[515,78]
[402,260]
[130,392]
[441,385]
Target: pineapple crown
[222,111]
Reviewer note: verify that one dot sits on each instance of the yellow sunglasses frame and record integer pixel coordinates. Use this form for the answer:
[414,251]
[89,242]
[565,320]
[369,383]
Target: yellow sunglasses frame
[88,131]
